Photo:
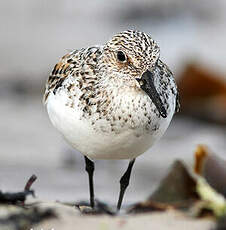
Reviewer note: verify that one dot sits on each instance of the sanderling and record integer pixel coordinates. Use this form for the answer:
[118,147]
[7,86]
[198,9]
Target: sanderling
[112,101]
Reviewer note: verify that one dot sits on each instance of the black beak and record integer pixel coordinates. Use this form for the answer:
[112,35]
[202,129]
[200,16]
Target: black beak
[147,84]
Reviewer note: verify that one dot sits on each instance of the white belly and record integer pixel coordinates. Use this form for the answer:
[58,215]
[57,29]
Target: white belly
[127,144]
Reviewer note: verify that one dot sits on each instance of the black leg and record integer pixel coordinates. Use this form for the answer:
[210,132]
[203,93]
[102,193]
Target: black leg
[124,182]
[90,170]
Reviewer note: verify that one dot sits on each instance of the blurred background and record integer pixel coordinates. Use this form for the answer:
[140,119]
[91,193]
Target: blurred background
[35,34]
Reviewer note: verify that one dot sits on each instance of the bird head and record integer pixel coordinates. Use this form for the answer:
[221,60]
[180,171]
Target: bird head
[132,57]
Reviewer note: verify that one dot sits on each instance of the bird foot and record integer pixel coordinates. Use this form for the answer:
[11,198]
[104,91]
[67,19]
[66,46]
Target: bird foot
[99,208]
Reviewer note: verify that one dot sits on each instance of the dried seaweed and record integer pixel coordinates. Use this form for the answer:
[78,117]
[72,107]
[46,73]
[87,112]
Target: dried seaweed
[18,197]
[14,198]
[26,219]
[149,206]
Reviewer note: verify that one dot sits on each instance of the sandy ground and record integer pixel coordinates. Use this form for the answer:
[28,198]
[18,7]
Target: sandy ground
[69,218]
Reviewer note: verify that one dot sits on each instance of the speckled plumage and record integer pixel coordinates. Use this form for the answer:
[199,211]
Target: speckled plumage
[97,103]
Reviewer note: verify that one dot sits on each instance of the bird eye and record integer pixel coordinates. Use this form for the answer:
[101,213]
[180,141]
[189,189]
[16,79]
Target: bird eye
[121,56]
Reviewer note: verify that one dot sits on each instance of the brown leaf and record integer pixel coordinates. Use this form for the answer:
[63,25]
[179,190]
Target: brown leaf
[211,167]
[149,206]
[202,93]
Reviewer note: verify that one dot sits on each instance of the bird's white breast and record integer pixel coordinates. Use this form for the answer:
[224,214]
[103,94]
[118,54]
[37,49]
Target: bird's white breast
[93,140]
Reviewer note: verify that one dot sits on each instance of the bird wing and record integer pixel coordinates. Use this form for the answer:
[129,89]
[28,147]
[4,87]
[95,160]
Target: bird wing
[60,72]
[71,64]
